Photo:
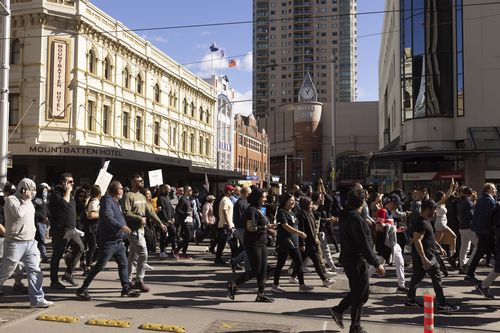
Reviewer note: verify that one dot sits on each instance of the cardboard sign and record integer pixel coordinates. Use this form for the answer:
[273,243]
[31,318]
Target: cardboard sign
[103,180]
[155,177]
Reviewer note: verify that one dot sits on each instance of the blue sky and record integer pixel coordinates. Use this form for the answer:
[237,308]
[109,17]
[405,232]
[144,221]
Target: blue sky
[191,45]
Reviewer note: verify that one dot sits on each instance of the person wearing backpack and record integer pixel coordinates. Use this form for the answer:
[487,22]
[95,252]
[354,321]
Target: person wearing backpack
[89,219]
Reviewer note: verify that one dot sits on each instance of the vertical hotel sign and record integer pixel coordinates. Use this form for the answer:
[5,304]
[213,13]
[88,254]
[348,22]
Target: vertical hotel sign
[58,80]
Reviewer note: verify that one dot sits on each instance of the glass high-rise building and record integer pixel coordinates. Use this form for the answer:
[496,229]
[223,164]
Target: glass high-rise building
[294,37]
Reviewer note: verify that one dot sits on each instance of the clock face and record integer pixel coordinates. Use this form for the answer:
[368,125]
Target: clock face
[307,93]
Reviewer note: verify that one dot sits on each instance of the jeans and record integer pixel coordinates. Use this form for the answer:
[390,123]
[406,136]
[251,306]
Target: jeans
[357,273]
[325,250]
[108,250]
[467,237]
[138,255]
[186,237]
[242,256]
[168,237]
[28,253]
[419,274]
[222,237]
[41,229]
[58,247]
[90,240]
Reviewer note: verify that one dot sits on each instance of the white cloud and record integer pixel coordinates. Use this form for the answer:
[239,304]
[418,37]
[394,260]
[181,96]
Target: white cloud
[159,39]
[205,33]
[212,63]
[243,108]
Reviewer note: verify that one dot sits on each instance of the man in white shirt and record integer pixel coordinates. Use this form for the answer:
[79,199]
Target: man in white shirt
[225,225]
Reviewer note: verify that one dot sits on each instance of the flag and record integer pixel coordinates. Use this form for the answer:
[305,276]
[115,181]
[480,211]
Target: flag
[213,47]
[207,184]
[232,63]
[221,53]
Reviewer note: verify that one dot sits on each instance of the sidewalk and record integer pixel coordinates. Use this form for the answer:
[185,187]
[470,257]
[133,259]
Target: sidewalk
[192,293]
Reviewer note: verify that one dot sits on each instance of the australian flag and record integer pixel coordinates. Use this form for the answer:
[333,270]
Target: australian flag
[213,47]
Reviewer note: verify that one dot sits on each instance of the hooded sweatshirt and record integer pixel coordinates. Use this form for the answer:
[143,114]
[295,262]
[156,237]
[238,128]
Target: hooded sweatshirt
[20,214]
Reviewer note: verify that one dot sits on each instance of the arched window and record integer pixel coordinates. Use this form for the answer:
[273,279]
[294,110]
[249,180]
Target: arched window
[207,147]
[126,78]
[208,116]
[200,148]
[184,141]
[92,61]
[192,143]
[139,84]
[156,90]
[185,106]
[108,68]
[192,109]
[15,52]
[201,114]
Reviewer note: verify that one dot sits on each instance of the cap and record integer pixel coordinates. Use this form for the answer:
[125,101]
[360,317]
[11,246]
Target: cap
[210,198]
[9,188]
[228,187]
[392,198]
[45,185]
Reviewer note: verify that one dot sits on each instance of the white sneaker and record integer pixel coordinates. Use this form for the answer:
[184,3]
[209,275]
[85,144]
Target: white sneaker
[305,288]
[163,255]
[339,270]
[43,304]
[277,289]
[293,280]
[148,267]
[329,274]
[328,282]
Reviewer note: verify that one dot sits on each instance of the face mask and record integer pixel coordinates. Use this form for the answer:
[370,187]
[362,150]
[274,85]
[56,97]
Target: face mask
[45,194]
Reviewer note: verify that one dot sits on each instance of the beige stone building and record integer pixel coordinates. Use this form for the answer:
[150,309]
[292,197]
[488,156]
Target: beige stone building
[438,95]
[84,89]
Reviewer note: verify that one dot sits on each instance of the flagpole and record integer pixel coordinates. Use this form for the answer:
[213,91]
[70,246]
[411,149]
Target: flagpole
[211,63]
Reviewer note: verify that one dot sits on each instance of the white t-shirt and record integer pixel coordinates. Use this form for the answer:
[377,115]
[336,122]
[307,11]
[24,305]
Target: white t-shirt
[225,205]
[441,219]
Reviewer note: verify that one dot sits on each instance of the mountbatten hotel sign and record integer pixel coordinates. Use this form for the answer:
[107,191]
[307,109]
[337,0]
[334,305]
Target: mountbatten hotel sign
[57,75]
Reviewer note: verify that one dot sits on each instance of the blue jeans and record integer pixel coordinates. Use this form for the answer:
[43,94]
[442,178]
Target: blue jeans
[108,250]
[28,253]
[41,229]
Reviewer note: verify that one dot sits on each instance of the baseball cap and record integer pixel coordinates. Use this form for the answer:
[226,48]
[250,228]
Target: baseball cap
[228,187]
[392,198]
[9,188]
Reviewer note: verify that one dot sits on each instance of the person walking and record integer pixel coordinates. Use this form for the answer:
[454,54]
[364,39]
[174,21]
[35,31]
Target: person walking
[482,226]
[62,209]
[135,208]
[356,254]
[20,244]
[166,214]
[287,241]
[255,242]
[239,227]
[465,209]
[424,258]
[225,226]
[41,202]
[184,222]
[89,222]
[111,229]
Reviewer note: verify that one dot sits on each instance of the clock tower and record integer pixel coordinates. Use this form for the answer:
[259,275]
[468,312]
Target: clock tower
[307,92]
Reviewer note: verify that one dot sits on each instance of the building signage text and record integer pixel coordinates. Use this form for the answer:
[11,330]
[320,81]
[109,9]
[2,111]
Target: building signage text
[58,80]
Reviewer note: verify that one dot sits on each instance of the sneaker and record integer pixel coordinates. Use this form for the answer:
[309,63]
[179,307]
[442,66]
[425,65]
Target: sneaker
[275,288]
[19,288]
[448,308]
[402,290]
[148,267]
[141,286]
[452,262]
[163,255]
[69,279]
[328,282]
[293,280]
[57,285]
[337,317]
[484,291]
[413,303]
[130,293]
[472,279]
[83,295]
[329,274]
[264,299]
[305,288]
[174,255]
[42,304]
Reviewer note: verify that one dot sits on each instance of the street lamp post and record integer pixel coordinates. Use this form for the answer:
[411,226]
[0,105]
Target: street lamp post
[333,124]
[4,91]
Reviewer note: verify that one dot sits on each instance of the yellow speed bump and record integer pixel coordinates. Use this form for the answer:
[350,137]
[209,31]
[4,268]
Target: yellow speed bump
[108,322]
[61,319]
[162,328]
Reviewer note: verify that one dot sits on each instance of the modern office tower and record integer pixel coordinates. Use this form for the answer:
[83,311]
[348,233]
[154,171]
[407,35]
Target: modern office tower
[295,37]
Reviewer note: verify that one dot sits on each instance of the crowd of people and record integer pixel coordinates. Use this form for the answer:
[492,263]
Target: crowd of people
[455,230]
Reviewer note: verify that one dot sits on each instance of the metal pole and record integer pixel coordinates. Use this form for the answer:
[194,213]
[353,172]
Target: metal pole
[333,115]
[301,171]
[286,170]
[4,91]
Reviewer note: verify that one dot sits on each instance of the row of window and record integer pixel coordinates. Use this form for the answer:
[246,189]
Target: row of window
[188,109]
[251,144]
[250,165]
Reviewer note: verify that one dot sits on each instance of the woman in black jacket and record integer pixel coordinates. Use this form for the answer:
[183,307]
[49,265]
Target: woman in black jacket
[255,243]
[287,242]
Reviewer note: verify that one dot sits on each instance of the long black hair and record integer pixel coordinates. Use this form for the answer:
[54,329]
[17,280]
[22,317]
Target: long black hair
[284,199]
[255,196]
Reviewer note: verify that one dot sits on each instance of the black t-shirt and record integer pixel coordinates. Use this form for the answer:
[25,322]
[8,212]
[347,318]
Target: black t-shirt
[423,226]
[255,227]
[239,212]
[285,238]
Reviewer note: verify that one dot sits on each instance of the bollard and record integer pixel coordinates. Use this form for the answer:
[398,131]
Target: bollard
[428,314]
